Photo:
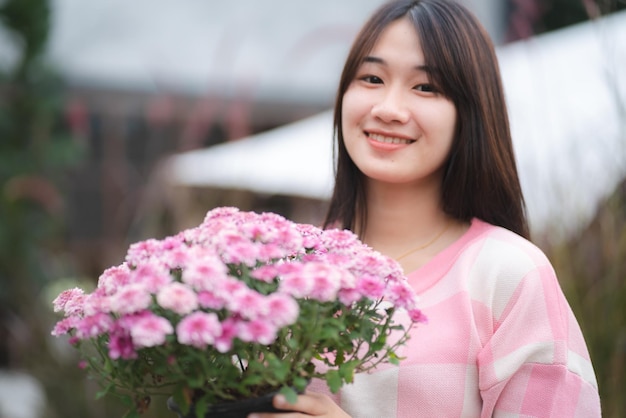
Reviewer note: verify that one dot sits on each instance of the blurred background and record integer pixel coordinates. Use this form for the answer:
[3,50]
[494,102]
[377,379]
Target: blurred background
[121,121]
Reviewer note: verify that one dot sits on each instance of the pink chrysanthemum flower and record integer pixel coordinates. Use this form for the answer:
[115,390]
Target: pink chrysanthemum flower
[205,270]
[310,236]
[192,236]
[64,326]
[209,300]
[176,257]
[229,287]
[113,278]
[121,345]
[401,295]
[150,330]
[417,316]
[172,243]
[178,297]
[69,301]
[295,283]
[255,232]
[247,303]
[130,299]
[378,265]
[199,329]
[96,302]
[142,250]
[268,252]
[324,280]
[340,240]
[257,331]
[349,296]
[94,325]
[288,238]
[283,309]
[224,342]
[221,212]
[265,273]
[152,275]
[237,249]
[372,287]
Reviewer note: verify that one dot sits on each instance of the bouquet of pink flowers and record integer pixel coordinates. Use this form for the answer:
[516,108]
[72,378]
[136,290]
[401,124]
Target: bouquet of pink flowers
[242,305]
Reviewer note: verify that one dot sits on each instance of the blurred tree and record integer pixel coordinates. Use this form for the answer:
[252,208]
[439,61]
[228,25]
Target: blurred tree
[592,268]
[560,13]
[28,198]
[527,18]
[35,148]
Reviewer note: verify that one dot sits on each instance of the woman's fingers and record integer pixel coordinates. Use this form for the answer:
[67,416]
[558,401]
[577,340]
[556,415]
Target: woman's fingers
[309,404]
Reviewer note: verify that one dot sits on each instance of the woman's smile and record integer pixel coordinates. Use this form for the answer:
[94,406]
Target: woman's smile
[388,139]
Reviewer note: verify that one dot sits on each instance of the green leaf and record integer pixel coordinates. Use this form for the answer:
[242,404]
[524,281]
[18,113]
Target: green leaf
[293,344]
[394,360]
[333,380]
[201,408]
[340,357]
[281,369]
[290,394]
[300,383]
[253,380]
[104,391]
[127,400]
[181,401]
[195,381]
[346,370]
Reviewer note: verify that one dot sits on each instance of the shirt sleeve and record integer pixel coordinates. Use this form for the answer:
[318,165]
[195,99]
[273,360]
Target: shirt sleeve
[535,363]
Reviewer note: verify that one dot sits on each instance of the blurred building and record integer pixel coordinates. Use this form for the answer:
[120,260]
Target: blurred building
[149,78]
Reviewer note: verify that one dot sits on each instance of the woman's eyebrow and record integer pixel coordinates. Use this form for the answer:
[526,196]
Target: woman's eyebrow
[377,60]
[374,60]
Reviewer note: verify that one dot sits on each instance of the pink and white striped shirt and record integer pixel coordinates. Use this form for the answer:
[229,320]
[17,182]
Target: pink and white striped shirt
[501,340]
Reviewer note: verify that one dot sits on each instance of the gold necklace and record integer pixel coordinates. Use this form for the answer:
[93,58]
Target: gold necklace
[428,244]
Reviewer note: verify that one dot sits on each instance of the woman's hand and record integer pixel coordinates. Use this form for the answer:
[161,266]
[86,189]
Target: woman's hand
[310,404]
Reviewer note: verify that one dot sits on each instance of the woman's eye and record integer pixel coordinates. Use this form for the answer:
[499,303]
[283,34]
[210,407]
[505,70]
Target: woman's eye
[372,79]
[426,87]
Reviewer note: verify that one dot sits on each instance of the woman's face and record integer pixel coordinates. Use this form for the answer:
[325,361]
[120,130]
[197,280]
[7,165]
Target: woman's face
[397,127]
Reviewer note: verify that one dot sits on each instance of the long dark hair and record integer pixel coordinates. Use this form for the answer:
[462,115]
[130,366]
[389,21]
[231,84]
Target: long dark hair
[480,178]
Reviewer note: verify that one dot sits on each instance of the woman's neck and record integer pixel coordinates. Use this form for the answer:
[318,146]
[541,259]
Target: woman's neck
[398,217]
[408,224]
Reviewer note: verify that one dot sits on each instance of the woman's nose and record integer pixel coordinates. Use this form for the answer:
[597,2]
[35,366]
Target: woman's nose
[391,107]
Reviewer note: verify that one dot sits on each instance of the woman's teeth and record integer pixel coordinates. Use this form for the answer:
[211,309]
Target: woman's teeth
[389,139]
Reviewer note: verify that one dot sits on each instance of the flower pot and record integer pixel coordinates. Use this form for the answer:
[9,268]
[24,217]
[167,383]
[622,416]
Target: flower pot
[234,409]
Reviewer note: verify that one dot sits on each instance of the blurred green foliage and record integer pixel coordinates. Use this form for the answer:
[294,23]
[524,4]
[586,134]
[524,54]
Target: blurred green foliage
[592,271]
[33,152]
[35,149]
[556,14]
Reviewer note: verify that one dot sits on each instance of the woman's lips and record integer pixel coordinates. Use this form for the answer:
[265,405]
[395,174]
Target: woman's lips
[389,139]
[387,142]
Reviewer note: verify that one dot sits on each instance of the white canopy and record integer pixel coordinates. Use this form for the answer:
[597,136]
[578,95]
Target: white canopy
[295,159]
[566,93]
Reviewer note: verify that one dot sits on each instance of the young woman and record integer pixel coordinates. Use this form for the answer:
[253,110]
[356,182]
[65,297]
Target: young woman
[426,174]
